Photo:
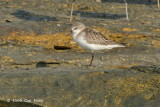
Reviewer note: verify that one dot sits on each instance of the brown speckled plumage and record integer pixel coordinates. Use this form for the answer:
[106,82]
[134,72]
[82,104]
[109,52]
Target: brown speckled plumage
[94,37]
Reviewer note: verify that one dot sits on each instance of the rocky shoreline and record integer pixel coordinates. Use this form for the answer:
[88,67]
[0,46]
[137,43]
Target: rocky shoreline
[39,63]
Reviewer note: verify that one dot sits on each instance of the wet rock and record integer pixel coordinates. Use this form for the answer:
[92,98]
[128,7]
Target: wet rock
[22,14]
[8,20]
[147,69]
[41,64]
[17,104]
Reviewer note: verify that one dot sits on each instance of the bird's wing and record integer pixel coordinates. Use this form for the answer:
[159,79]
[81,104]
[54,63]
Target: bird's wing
[94,37]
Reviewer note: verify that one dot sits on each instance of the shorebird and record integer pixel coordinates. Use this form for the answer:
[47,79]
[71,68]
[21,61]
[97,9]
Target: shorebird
[90,39]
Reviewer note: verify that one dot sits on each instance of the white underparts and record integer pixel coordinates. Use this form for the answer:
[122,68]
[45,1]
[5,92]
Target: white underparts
[93,47]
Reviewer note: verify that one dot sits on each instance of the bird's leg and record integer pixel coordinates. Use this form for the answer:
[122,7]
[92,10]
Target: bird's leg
[91,59]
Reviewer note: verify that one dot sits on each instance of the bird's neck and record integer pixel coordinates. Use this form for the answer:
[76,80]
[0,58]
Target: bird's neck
[75,33]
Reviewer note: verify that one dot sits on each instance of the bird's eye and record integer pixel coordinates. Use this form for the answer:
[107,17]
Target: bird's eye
[75,28]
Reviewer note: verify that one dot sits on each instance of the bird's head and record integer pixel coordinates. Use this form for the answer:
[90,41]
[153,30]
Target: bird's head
[76,28]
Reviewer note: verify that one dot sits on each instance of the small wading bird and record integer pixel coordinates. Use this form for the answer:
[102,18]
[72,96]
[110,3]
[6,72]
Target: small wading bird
[90,39]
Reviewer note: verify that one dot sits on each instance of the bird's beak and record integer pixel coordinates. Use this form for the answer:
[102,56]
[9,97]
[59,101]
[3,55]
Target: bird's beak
[69,33]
